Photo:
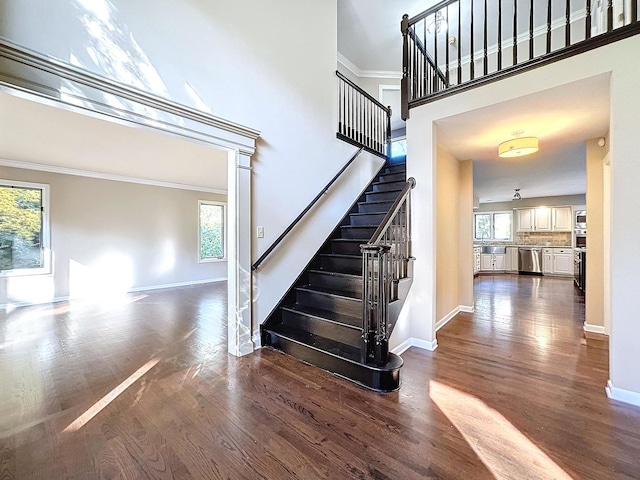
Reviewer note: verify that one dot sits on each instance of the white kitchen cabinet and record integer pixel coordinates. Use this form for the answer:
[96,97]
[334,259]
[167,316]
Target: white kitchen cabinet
[562,219]
[543,219]
[511,260]
[476,259]
[547,261]
[563,261]
[526,219]
[557,261]
[534,219]
[490,262]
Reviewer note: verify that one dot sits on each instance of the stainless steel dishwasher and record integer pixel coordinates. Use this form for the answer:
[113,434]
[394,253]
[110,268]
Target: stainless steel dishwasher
[530,260]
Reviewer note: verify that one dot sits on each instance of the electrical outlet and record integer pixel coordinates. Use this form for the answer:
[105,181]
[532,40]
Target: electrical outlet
[260,232]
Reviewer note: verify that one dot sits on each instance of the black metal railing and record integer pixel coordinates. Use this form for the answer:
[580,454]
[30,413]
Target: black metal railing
[384,262]
[459,44]
[362,120]
[277,241]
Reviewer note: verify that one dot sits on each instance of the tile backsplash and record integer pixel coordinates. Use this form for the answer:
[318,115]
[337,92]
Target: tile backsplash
[561,239]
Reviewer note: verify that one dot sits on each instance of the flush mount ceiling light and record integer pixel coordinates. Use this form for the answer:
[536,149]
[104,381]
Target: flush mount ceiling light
[519,146]
[437,24]
[517,196]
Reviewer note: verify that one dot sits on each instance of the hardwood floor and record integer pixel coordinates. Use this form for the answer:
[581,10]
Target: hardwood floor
[145,389]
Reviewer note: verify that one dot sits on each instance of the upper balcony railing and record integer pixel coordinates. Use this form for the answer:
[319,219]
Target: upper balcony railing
[459,44]
[362,120]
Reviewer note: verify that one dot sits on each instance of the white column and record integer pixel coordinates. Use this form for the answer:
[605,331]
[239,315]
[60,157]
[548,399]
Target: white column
[624,364]
[421,164]
[239,283]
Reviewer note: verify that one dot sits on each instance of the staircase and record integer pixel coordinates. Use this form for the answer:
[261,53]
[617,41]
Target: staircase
[319,320]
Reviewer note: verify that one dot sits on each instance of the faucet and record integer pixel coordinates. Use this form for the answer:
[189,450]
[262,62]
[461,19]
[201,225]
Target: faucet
[482,238]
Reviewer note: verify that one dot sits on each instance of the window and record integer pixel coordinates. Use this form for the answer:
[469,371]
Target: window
[398,148]
[492,226]
[211,226]
[24,228]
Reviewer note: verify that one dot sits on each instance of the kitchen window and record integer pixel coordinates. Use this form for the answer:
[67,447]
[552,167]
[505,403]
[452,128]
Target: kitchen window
[492,226]
[211,231]
[24,229]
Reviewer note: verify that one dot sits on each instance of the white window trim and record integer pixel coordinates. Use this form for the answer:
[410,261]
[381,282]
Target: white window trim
[224,232]
[493,230]
[46,231]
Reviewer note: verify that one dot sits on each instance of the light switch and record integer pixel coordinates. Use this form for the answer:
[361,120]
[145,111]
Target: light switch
[260,232]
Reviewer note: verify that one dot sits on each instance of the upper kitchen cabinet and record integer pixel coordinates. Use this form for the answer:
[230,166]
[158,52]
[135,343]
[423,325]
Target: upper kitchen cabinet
[534,219]
[562,219]
[544,219]
[526,219]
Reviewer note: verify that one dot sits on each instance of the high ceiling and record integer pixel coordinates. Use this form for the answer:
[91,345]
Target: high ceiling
[563,118]
[369,31]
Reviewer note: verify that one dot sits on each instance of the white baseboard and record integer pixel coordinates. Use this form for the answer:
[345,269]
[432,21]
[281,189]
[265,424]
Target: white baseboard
[4,306]
[178,284]
[415,342]
[444,320]
[257,339]
[12,305]
[622,395]
[594,328]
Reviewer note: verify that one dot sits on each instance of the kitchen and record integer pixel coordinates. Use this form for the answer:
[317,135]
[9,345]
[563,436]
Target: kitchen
[538,240]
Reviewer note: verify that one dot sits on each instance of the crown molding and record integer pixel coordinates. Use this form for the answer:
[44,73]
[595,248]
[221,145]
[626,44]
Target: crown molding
[353,68]
[41,167]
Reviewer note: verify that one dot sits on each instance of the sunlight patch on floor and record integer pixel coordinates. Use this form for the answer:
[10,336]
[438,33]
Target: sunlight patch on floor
[503,449]
[101,404]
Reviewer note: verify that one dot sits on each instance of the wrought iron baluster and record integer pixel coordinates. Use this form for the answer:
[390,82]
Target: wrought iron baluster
[515,32]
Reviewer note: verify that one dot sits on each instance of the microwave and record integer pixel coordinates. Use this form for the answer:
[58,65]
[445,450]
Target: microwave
[581,219]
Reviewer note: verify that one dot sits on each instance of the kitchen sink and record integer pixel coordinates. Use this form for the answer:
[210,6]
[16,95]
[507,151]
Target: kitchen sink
[494,249]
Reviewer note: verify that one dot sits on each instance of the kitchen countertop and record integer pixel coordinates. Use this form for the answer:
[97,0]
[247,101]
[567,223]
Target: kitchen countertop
[526,246]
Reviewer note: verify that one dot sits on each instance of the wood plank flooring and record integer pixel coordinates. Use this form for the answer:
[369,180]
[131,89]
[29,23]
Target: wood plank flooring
[144,388]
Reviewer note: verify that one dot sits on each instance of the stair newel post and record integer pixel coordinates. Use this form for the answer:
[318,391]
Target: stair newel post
[404,83]
[408,253]
[375,303]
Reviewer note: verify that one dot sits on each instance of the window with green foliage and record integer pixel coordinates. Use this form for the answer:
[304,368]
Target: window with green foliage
[24,240]
[211,230]
[492,226]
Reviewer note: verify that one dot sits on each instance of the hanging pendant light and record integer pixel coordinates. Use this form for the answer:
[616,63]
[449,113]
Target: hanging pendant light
[517,196]
[519,146]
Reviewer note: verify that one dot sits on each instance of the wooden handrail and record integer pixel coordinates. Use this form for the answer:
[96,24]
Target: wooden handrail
[386,221]
[303,213]
[362,120]
[362,92]
[423,81]
[423,50]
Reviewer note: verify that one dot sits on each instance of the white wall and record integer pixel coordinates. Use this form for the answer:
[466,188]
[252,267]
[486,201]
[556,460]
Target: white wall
[110,237]
[609,60]
[268,65]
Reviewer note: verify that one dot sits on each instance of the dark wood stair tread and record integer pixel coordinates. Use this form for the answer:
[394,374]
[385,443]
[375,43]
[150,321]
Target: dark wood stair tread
[327,291]
[350,276]
[331,347]
[327,315]
[346,240]
[357,214]
[342,255]
[346,352]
